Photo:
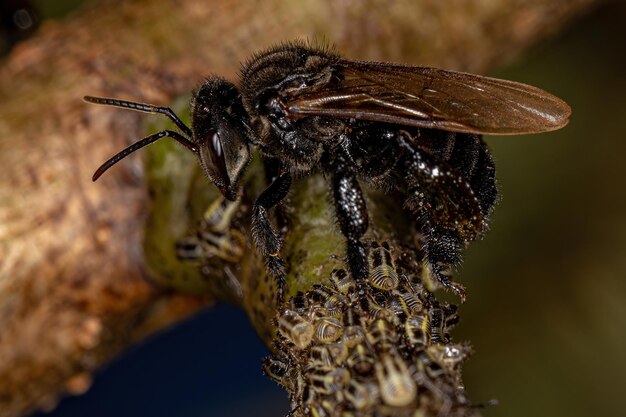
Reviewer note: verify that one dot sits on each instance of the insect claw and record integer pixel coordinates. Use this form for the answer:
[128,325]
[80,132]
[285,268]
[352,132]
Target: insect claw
[457,288]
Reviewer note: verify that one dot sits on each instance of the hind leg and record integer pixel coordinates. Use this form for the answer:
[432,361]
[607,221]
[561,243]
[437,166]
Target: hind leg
[442,250]
[472,160]
[447,210]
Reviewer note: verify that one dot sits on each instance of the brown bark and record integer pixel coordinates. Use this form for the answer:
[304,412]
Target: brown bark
[73,291]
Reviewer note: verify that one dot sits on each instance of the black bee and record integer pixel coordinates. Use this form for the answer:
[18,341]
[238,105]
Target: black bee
[415,130]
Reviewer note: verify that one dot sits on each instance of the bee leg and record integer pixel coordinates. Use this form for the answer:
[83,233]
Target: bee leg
[266,238]
[353,220]
[443,249]
[272,168]
[446,208]
[472,160]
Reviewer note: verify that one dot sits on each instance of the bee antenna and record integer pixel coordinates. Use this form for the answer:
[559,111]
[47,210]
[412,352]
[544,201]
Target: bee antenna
[143,107]
[143,142]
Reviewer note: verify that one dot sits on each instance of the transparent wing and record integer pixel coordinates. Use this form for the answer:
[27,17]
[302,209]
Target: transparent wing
[430,98]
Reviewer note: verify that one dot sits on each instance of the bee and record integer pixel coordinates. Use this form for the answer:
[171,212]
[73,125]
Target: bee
[415,130]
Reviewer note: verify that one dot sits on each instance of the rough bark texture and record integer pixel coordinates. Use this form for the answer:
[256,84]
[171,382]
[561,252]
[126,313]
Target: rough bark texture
[73,288]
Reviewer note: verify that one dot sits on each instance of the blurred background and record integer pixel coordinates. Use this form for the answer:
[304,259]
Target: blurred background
[547,307]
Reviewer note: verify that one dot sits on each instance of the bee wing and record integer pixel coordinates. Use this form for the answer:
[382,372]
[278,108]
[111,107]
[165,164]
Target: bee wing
[430,98]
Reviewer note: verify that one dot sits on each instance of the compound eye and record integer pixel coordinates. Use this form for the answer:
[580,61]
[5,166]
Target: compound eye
[212,156]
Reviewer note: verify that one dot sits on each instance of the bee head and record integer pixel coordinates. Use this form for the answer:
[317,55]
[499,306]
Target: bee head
[220,134]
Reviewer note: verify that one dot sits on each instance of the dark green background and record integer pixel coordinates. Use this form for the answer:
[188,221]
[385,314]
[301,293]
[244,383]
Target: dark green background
[547,307]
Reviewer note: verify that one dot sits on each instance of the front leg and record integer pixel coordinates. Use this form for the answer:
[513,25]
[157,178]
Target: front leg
[353,219]
[265,236]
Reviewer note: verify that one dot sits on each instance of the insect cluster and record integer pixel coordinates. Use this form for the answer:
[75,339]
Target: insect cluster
[375,342]
[394,358]
[217,245]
